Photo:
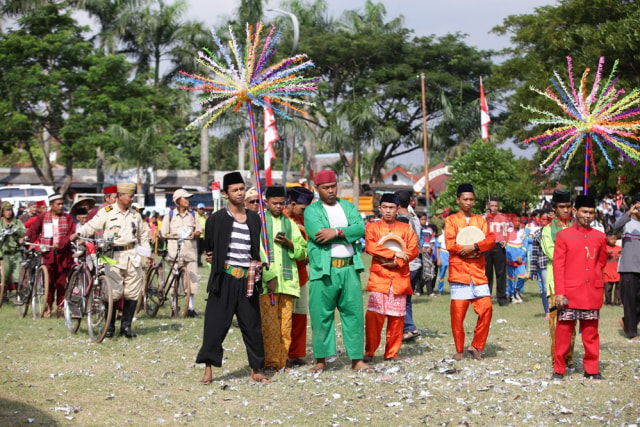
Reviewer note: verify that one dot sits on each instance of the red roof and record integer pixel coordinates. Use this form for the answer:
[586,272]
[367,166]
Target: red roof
[399,169]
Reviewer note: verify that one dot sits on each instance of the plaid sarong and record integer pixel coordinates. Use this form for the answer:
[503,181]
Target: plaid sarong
[254,275]
[538,258]
[569,314]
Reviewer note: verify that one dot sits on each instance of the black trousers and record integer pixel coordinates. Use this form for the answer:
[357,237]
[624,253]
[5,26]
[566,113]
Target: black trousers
[217,321]
[630,293]
[200,251]
[496,260]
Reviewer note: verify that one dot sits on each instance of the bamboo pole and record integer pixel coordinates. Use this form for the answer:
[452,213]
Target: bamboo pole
[425,142]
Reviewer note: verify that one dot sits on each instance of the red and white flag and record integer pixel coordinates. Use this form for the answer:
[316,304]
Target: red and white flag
[270,136]
[484,114]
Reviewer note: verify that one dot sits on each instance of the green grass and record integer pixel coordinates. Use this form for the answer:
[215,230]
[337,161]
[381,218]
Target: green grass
[50,377]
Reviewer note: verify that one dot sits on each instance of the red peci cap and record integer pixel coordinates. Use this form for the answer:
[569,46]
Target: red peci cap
[110,189]
[325,177]
[40,203]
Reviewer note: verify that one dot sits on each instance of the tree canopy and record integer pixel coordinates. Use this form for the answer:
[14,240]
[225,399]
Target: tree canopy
[584,30]
[493,172]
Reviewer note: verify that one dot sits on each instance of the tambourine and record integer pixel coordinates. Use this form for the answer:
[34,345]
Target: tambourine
[469,235]
[393,241]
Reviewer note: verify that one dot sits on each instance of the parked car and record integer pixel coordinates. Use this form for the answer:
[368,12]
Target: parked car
[22,194]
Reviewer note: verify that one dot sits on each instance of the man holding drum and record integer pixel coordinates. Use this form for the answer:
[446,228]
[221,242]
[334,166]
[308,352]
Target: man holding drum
[467,238]
[392,244]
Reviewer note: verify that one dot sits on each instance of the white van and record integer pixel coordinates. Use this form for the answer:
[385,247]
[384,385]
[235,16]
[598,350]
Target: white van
[21,194]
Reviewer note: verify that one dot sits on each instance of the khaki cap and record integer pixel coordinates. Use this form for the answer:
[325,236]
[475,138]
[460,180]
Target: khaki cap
[127,188]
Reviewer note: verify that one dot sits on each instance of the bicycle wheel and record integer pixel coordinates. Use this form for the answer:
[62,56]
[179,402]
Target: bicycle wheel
[23,294]
[153,293]
[181,294]
[40,292]
[73,300]
[99,309]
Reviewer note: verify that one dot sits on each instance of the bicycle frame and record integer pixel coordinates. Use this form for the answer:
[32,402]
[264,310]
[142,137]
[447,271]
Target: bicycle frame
[94,298]
[33,261]
[156,296]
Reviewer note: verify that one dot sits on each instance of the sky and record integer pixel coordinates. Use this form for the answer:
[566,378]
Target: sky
[426,17]
[475,18]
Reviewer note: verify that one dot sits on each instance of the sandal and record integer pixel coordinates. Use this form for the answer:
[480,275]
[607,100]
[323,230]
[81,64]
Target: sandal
[410,335]
[458,357]
[367,359]
[296,362]
[473,352]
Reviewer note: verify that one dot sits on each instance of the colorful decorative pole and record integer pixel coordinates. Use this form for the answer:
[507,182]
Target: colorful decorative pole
[247,79]
[599,119]
[256,170]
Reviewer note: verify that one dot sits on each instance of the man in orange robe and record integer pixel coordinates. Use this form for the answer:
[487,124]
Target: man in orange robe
[467,278]
[389,279]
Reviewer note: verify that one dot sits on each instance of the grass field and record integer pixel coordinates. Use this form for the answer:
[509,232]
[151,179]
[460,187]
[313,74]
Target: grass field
[49,377]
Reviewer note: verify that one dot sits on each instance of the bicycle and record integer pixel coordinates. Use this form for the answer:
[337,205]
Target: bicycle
[4,233]
[89,292]
[157,286]
[33,282]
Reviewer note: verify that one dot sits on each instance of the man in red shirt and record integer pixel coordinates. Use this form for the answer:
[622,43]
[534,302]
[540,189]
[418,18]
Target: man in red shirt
[580,255]
[54,228]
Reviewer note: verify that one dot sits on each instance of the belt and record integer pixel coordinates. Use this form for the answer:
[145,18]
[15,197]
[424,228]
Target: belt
[124,247]
[10,252]
[237,272]
[341,262]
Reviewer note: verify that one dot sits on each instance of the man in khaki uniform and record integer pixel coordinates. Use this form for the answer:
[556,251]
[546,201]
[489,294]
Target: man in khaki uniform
[130,244]
[181,222]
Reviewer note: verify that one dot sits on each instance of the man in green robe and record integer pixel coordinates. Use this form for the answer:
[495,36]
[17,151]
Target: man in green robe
[334,227]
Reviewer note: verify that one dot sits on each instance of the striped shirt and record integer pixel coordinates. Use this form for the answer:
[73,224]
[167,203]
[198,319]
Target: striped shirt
[239,252]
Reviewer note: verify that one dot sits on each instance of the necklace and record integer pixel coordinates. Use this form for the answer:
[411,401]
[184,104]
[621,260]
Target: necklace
[589,256]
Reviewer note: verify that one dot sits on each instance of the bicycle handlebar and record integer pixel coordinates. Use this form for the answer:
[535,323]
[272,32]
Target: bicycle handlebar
[41,245]
[98,241]
[180,240]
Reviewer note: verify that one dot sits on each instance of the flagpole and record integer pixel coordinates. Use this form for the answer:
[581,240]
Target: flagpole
[424,142]
[485,119]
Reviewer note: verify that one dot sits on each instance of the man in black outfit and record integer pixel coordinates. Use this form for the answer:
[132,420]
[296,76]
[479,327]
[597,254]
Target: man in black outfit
[230,287]
[496,258]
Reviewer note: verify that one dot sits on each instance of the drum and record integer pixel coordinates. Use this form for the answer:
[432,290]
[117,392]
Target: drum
[393,241]
[469,235]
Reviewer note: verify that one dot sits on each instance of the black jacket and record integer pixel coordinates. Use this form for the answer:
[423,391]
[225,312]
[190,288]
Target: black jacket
[217,235]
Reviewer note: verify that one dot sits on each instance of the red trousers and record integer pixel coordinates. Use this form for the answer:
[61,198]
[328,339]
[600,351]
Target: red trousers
[590,339]
[57,281]
[373,331]
[298,348]
[484,310]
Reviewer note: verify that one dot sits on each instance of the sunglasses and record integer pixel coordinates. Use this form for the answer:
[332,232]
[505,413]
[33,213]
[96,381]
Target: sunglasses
[253,202]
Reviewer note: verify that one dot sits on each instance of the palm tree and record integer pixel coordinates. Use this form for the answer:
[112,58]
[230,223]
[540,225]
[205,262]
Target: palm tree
[140,147]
